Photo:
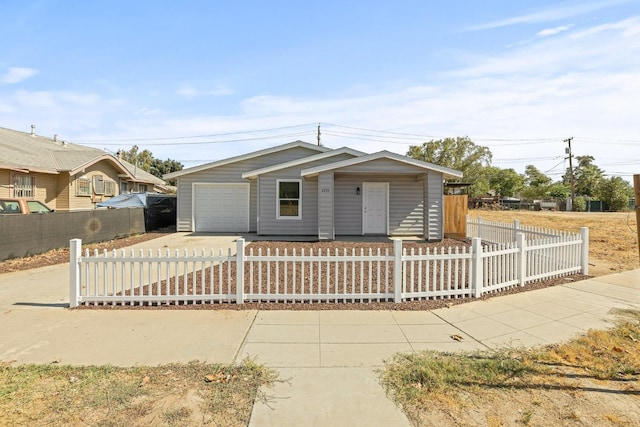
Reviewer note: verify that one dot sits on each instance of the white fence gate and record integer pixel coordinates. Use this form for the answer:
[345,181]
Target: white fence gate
[503,258]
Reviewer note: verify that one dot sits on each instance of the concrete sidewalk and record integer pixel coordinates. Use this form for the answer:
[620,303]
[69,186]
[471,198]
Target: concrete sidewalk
[328,357]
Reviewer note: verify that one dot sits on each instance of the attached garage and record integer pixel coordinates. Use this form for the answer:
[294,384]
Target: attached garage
[221,207]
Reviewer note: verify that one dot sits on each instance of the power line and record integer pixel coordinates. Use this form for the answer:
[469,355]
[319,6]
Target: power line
[168,138]
[212,142]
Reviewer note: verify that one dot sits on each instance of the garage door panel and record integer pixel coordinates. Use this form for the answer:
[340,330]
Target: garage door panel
[221,208]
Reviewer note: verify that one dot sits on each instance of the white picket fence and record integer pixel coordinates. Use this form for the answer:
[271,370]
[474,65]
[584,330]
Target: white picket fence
[347,275]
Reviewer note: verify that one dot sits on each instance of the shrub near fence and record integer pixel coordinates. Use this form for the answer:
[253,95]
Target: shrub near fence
[322,276]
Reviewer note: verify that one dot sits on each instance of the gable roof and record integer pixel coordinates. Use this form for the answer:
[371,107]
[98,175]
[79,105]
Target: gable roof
[25,152]
[247,156]
[292,163]
[447,172]
[140,174]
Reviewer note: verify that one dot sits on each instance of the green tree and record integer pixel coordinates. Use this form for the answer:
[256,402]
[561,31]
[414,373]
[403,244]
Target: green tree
[587,176]
[456,153]
[615,192]
[142,159]
[537,185]
[505,182]
[146,161]
[559,191]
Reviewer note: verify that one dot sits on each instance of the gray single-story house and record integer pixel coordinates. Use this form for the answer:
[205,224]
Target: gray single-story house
[305,189]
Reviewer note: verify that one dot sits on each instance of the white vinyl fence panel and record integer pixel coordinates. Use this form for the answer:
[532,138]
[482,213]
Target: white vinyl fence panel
[323,275]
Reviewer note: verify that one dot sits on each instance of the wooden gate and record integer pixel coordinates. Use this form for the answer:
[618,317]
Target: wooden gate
[455,216]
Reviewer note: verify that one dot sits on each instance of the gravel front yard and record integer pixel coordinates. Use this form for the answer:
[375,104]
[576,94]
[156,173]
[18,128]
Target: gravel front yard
[334,278]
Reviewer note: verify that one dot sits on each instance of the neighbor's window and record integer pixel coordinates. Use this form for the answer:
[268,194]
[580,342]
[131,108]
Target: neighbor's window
[24,186]
[142,188]
[124,187]
[98,184]
[289,199]
[109,188]
[83,186]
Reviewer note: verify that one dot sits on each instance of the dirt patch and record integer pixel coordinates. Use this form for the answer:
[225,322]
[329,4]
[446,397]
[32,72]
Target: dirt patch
[613,238]
[589,380]
[61,256]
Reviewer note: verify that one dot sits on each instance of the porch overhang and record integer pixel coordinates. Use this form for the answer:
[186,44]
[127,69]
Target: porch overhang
[392,164]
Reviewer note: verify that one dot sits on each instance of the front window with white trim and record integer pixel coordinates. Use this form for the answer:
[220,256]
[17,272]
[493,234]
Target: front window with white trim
[289,199]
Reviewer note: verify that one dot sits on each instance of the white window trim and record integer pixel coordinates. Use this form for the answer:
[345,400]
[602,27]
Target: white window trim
[299,217]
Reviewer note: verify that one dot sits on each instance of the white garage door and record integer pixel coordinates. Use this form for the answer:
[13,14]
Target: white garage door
[221,207]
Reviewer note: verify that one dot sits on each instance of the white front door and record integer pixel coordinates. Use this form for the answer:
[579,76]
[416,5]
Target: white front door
[374,207]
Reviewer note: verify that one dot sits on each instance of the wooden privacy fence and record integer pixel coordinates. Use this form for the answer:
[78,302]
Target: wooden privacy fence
[347,275]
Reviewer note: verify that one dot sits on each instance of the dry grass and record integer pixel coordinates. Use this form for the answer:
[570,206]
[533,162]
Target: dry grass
[613,239]
[591,380]
[175,394]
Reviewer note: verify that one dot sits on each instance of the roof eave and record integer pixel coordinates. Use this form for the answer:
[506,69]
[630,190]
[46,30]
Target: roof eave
[446,172]
[107,157]
[326,155]
[218,163]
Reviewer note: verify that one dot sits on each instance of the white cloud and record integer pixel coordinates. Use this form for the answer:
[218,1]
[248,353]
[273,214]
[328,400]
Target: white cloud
[17,74]
[552,14]
[554,31]
[190,92]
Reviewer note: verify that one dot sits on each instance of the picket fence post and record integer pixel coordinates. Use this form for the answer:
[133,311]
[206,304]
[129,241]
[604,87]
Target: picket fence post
[75,250]
[584,256]
[516,229]
[240,271]
[397,271]
[476,266]
[522,258]
[480,227]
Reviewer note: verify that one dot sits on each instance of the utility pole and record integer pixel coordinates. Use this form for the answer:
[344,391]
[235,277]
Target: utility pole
[319,144]
[573,186]
[636,186]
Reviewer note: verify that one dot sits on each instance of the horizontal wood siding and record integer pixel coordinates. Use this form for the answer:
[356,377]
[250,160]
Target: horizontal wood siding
[269,224]
[405,203]
[108,172]
[325,206]
[5,183]
[405,208]
[435,207]
[63,191]
[227,174]
[46,188]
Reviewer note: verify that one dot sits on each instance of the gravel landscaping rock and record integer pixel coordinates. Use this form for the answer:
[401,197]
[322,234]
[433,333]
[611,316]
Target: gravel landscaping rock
[335,277]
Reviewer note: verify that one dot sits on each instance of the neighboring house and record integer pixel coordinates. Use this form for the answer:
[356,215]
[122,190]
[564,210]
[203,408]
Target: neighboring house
[63,175]
[304,189]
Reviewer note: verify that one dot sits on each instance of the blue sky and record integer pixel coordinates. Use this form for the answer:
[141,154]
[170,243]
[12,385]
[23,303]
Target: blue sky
[197,81]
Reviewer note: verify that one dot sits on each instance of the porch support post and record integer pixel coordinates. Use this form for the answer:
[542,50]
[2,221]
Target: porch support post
[75,250]
[398,271]
[240,271]
[326,226]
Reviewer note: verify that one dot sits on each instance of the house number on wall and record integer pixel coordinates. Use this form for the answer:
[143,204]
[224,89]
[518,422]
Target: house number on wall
[325,190]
